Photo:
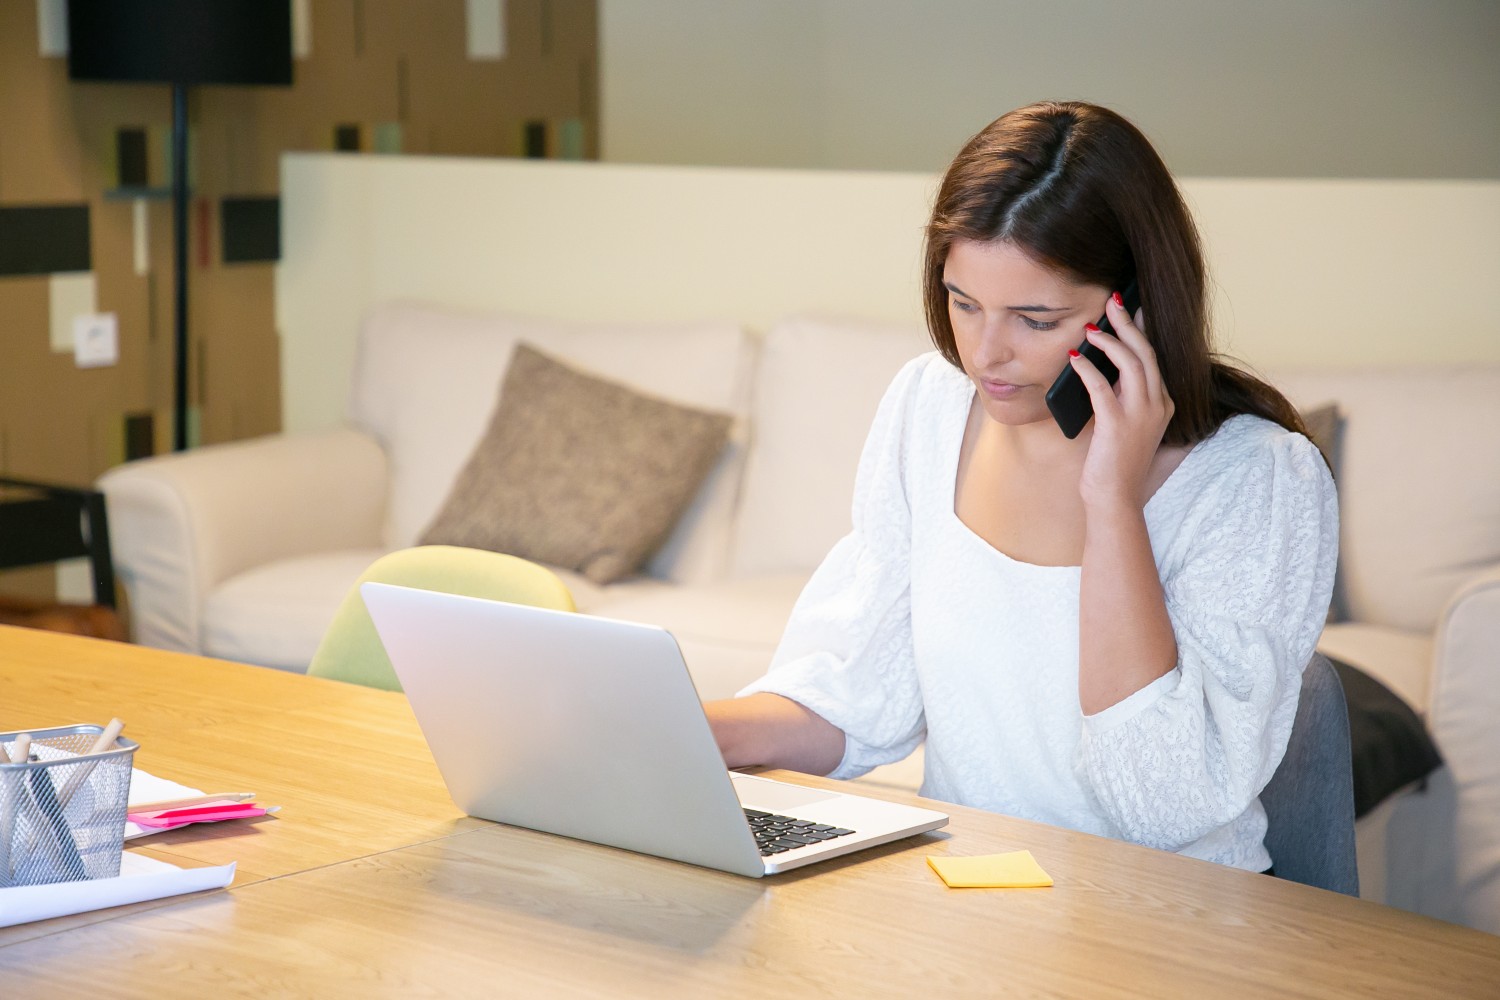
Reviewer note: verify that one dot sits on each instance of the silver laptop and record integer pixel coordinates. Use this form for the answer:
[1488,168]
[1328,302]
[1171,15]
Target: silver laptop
[591,728]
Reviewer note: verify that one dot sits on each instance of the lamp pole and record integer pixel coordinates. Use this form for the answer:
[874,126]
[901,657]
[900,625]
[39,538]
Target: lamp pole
[180,266]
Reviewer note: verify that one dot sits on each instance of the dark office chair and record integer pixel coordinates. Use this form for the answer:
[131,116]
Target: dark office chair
[43,523]
[1310,799]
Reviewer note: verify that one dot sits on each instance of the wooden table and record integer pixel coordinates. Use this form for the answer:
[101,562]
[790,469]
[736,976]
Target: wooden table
[371,883]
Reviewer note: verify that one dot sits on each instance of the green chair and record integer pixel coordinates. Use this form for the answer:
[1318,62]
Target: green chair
[351,649]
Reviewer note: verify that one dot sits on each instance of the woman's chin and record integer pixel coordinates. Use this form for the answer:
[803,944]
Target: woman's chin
[1014,412]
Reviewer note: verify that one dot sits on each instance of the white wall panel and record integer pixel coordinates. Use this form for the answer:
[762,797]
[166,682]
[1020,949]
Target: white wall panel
[1307,272]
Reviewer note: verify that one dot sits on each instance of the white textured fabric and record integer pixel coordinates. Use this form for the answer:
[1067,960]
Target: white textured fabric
[914,627]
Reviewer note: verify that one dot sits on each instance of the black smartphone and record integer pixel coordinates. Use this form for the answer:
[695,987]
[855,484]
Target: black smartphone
[1068,399]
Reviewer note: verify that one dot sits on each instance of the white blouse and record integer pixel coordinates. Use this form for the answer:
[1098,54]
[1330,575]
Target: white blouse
[914,628]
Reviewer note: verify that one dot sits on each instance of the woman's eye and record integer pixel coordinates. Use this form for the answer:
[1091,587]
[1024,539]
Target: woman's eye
[964,307]
[1037,324]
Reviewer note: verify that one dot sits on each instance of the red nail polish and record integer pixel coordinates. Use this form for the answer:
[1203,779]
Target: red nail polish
[1118,301]
[1073,354]
[1091,328]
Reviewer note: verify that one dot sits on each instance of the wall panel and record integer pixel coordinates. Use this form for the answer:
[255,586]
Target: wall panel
[397,71]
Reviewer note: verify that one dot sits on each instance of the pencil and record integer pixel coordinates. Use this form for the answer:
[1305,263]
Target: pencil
[191,800]
[10,790]
[80,773]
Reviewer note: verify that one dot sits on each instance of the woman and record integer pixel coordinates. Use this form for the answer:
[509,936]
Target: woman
[1107,632]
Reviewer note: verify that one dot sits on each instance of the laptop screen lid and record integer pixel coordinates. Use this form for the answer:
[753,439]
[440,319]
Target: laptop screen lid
[591,728]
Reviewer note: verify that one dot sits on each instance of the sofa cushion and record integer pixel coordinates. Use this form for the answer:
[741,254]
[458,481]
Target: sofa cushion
[276,614]
[727,630]
[577,471]
[816,392]
[1418,485]
[1400,660]
[424,385]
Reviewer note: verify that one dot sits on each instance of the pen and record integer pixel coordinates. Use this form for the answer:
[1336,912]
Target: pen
[45,794]
[191,800]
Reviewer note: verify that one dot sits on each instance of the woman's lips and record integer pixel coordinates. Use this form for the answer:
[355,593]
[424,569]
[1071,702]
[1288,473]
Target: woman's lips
[999,390]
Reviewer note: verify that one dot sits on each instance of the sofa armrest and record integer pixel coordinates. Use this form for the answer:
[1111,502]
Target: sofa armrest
[1465,704]
[181,524]
[1466,656]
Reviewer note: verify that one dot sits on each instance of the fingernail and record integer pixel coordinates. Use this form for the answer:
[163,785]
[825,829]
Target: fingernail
[1118,301]
[1091,328]
[1073,353]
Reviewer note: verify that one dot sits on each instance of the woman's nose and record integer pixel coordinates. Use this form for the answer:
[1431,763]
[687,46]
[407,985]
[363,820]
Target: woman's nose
[994,347]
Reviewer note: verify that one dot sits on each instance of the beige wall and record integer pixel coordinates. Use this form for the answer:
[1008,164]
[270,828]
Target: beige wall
[1307,272]
[1273,88]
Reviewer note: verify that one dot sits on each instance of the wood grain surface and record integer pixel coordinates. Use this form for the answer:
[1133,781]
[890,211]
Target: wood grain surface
[371,883]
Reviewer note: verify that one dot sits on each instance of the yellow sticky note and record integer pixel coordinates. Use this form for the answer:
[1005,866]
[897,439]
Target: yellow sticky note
[1015,870]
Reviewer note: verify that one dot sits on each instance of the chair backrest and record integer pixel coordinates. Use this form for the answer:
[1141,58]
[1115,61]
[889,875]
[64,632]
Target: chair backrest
[1309,801]
[351,649]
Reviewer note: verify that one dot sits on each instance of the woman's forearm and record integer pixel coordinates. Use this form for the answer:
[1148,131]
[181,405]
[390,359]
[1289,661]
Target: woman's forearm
[767,730]
[1125,638]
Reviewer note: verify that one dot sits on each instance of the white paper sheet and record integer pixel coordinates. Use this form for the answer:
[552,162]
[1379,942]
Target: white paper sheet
[139,879]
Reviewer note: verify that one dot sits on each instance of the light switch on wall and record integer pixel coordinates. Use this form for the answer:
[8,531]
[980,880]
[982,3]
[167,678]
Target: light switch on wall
[96,340]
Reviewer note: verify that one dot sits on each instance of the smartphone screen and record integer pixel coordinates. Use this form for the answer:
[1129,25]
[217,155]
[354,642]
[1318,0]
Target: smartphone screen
[1068,399]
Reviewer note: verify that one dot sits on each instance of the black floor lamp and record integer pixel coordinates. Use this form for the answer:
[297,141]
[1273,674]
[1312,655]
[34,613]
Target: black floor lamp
[180,42]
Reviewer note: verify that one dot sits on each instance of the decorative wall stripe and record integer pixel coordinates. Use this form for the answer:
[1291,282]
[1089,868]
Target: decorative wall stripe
[485,21]
[140,237]
[44,239]
[131,159]
[140,435]
[570,139]
[68,297]
[251,229]
[301,29]
[52,27]
[386,137]
[203,230]
[535,142]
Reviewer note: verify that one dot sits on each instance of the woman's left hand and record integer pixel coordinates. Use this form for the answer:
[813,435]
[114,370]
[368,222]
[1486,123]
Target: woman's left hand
[1130,417]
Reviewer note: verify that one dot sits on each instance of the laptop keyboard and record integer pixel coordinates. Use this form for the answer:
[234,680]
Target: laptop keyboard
[775,834]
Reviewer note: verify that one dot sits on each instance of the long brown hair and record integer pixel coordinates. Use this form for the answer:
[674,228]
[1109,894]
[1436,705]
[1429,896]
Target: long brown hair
[1080,190]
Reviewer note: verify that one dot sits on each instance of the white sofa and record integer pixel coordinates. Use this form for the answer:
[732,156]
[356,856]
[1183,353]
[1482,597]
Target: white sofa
[244,550]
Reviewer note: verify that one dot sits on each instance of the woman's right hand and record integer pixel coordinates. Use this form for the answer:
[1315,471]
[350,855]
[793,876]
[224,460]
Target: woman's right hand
[767,730]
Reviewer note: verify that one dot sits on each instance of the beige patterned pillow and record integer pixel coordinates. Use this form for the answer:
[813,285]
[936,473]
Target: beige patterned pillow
[577,471]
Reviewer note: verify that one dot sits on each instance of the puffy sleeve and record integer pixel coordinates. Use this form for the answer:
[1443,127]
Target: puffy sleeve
[1247,594]
[846,653]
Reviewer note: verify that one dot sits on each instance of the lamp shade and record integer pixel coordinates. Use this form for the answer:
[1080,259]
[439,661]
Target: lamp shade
[181,41]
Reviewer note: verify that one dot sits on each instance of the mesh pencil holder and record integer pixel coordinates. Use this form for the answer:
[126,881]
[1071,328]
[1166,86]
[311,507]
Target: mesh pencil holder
[62,814]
